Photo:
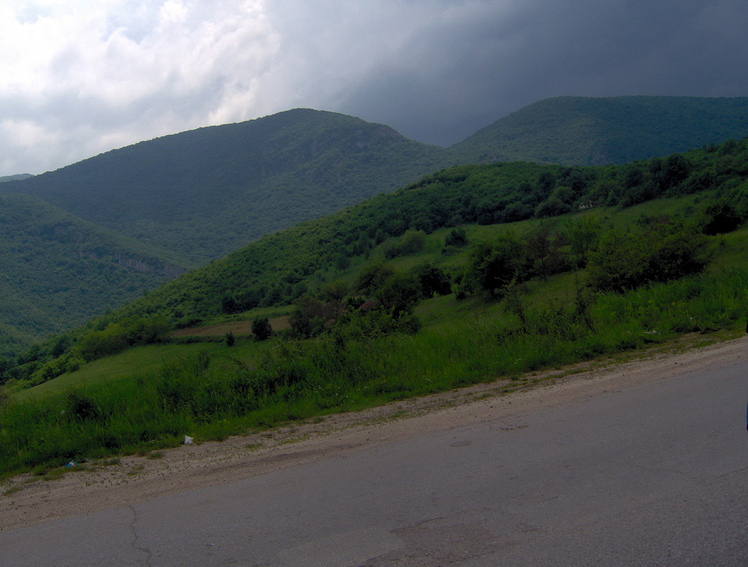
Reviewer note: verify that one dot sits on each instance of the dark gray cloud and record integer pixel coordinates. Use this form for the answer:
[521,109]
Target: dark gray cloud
[450,79]
[80,78]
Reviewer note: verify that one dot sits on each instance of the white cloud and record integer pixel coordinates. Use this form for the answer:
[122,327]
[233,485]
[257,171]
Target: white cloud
[75,69]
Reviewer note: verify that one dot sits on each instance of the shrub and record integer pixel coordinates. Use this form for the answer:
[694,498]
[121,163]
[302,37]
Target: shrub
[432,279]
[667,250]
[373,277]
[721,217]
[261,329]
[400,294]
[493,265]
[409,243]
[456,237]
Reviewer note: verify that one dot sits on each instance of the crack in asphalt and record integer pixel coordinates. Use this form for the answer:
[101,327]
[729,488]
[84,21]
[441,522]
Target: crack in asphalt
[135,537]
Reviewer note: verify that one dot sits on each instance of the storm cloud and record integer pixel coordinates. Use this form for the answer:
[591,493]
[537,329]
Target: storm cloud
[81,77]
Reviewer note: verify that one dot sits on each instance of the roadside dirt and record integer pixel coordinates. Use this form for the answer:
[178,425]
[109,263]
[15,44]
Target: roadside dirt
[29,500]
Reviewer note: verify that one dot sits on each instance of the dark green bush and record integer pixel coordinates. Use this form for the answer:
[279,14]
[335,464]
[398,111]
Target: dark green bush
[261,329]
[666,250]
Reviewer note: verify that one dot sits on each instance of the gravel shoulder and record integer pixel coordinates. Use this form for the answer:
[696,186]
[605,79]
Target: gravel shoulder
[27,500]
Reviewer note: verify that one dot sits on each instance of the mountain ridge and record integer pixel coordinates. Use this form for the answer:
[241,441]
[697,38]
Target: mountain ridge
[573,130]
[228,175]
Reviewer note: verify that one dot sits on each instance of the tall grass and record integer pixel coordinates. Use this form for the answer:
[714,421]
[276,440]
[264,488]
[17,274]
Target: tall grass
[211,396]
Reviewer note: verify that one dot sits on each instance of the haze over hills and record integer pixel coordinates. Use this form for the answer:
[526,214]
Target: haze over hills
[198,195]
[17,177]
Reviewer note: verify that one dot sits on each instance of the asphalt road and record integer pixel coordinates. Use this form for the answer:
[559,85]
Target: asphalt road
[655,474]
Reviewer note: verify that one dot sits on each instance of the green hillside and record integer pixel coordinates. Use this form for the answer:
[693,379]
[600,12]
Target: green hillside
[596,131]
[478,273]
[279,268]
[59,271]
[283,266]
[199,195]
[206,192]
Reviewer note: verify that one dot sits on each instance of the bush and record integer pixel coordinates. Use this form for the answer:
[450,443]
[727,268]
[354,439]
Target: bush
[400,294]
[456,237]
[493,265]
[721,217]
[261,329]
[373,277]
[668,250]
[433,279]
[409,243]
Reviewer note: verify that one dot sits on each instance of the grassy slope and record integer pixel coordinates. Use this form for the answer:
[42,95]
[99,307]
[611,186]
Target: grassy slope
[441,314]
[151,396]
[596,131]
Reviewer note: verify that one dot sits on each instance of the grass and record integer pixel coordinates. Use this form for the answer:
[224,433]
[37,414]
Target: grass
[211,391]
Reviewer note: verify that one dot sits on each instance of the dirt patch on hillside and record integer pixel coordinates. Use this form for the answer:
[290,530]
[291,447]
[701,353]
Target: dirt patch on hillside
[237,328]
[28,500]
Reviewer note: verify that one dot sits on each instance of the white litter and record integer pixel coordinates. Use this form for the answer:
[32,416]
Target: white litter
[188,440]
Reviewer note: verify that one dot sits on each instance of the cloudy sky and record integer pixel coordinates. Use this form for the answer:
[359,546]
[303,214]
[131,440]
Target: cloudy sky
[79,77]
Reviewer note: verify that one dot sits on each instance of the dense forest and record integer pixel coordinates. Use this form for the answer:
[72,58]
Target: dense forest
[204,193]
[59,271]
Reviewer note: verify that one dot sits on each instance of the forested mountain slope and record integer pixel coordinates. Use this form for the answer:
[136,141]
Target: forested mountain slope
[185,199]
[282,267]
[58,271]
[596,131]
[206,192]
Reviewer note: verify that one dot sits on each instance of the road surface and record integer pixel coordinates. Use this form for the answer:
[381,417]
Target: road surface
[654,474]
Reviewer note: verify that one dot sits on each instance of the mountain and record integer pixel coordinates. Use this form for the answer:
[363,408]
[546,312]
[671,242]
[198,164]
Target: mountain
[183,200]
[59,271]
[597,131]
[206,192]
[17,177]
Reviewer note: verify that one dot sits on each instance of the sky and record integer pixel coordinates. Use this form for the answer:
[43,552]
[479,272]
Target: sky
[80,77]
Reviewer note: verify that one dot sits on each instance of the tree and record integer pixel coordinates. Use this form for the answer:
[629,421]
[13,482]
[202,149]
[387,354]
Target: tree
[582,234]
[372,277]
[433,279]
[493,265]
[261,329]
[721,217]
[544,251]
[669,249]
[400,294]
[456,237]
